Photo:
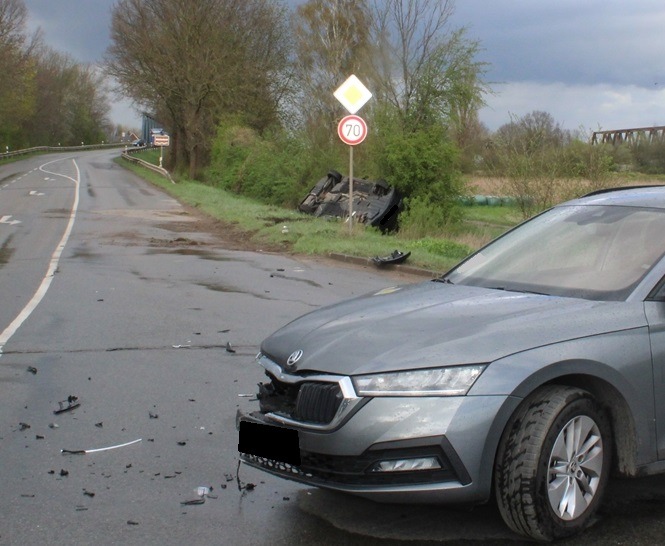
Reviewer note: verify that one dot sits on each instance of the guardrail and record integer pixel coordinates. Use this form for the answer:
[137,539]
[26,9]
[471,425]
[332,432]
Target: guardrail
[6,155]
[125,154]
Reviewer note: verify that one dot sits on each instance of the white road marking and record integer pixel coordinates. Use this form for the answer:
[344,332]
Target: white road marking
[8,220]
[53,264]
[37,193]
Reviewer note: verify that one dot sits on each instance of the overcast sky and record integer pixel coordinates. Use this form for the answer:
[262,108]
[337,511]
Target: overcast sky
[592,64]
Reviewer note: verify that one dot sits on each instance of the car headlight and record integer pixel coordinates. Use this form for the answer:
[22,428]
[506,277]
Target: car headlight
[449,381]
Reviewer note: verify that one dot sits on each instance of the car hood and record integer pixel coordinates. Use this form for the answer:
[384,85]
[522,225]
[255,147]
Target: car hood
[435,324]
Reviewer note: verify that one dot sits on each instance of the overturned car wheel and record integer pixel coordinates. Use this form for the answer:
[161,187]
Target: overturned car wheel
[553,463]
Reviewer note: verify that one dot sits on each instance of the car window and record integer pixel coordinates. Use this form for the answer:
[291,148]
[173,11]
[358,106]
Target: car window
[659,292]
[593,252]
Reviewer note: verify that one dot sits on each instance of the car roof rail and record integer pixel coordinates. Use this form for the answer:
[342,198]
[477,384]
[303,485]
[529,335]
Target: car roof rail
[620,188]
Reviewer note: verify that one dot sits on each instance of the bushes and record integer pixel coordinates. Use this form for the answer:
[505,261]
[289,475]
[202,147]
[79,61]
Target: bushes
[279,168]
[422,164]
[272,169]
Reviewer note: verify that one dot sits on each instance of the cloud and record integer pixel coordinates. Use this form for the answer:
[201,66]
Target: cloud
[590,64]
[588,107]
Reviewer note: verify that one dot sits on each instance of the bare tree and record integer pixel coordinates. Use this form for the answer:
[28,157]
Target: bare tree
[193,62]
[70,101]
[332,41]
[16,86]
[422,67]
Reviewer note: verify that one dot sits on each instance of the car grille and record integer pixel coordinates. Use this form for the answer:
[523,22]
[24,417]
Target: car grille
[318,402]
[309,402]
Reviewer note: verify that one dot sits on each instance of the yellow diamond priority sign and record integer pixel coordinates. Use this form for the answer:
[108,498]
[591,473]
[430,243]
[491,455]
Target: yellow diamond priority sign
[352,94]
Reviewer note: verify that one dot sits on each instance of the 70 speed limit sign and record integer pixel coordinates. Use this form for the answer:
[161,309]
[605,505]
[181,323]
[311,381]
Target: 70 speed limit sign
[352,130]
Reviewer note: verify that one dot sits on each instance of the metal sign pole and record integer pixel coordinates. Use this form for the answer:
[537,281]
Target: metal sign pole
[351,189]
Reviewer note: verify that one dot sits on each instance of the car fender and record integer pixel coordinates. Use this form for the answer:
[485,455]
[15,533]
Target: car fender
[621,375]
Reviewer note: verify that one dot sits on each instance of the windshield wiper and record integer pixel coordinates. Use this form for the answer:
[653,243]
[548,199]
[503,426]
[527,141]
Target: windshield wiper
[520,290]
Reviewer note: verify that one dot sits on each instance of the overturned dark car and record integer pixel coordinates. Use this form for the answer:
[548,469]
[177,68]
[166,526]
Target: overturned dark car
[375,202]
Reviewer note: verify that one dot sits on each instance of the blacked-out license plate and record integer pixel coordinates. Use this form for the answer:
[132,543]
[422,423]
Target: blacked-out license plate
[276,443]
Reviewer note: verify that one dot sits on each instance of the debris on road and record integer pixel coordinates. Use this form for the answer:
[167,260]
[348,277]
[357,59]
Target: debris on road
[396,257]
[229,349]
[32,370]
[202,493]
[23,426]
[85,451]
[191,502]
[247,486]
[67,405]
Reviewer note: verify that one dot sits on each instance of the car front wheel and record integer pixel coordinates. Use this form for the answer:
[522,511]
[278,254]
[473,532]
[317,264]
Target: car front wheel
[553,463]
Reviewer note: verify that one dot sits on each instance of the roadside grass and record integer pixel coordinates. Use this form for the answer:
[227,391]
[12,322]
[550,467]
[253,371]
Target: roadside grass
[304,234]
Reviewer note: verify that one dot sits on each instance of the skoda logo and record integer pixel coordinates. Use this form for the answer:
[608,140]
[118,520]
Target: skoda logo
[293,359]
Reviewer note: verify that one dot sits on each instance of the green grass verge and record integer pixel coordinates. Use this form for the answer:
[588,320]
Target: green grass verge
[304,234]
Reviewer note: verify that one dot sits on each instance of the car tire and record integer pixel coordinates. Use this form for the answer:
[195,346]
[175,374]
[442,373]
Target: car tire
[553,463]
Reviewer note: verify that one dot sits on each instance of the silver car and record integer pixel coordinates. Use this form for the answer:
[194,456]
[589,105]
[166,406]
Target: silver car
[528,373]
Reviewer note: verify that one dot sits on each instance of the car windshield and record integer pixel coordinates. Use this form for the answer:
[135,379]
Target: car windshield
[585,251]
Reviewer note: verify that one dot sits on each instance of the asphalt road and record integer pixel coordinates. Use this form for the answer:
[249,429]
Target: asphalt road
[113,297]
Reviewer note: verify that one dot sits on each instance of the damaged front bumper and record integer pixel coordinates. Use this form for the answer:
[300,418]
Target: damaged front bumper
[410,449]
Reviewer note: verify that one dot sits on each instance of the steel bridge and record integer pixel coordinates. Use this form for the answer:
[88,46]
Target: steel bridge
[630,136]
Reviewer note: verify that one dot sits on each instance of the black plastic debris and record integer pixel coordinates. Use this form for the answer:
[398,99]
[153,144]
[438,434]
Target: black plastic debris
[229,349]
[396,257]
[23,426]
[202,492]
[32,370]
[39,437]
[88,493]
[153,415]
[182,443]
[192,502]
[132,522]
[64,472]
[375,202]
[67,405]
[99,425]
[243,486]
